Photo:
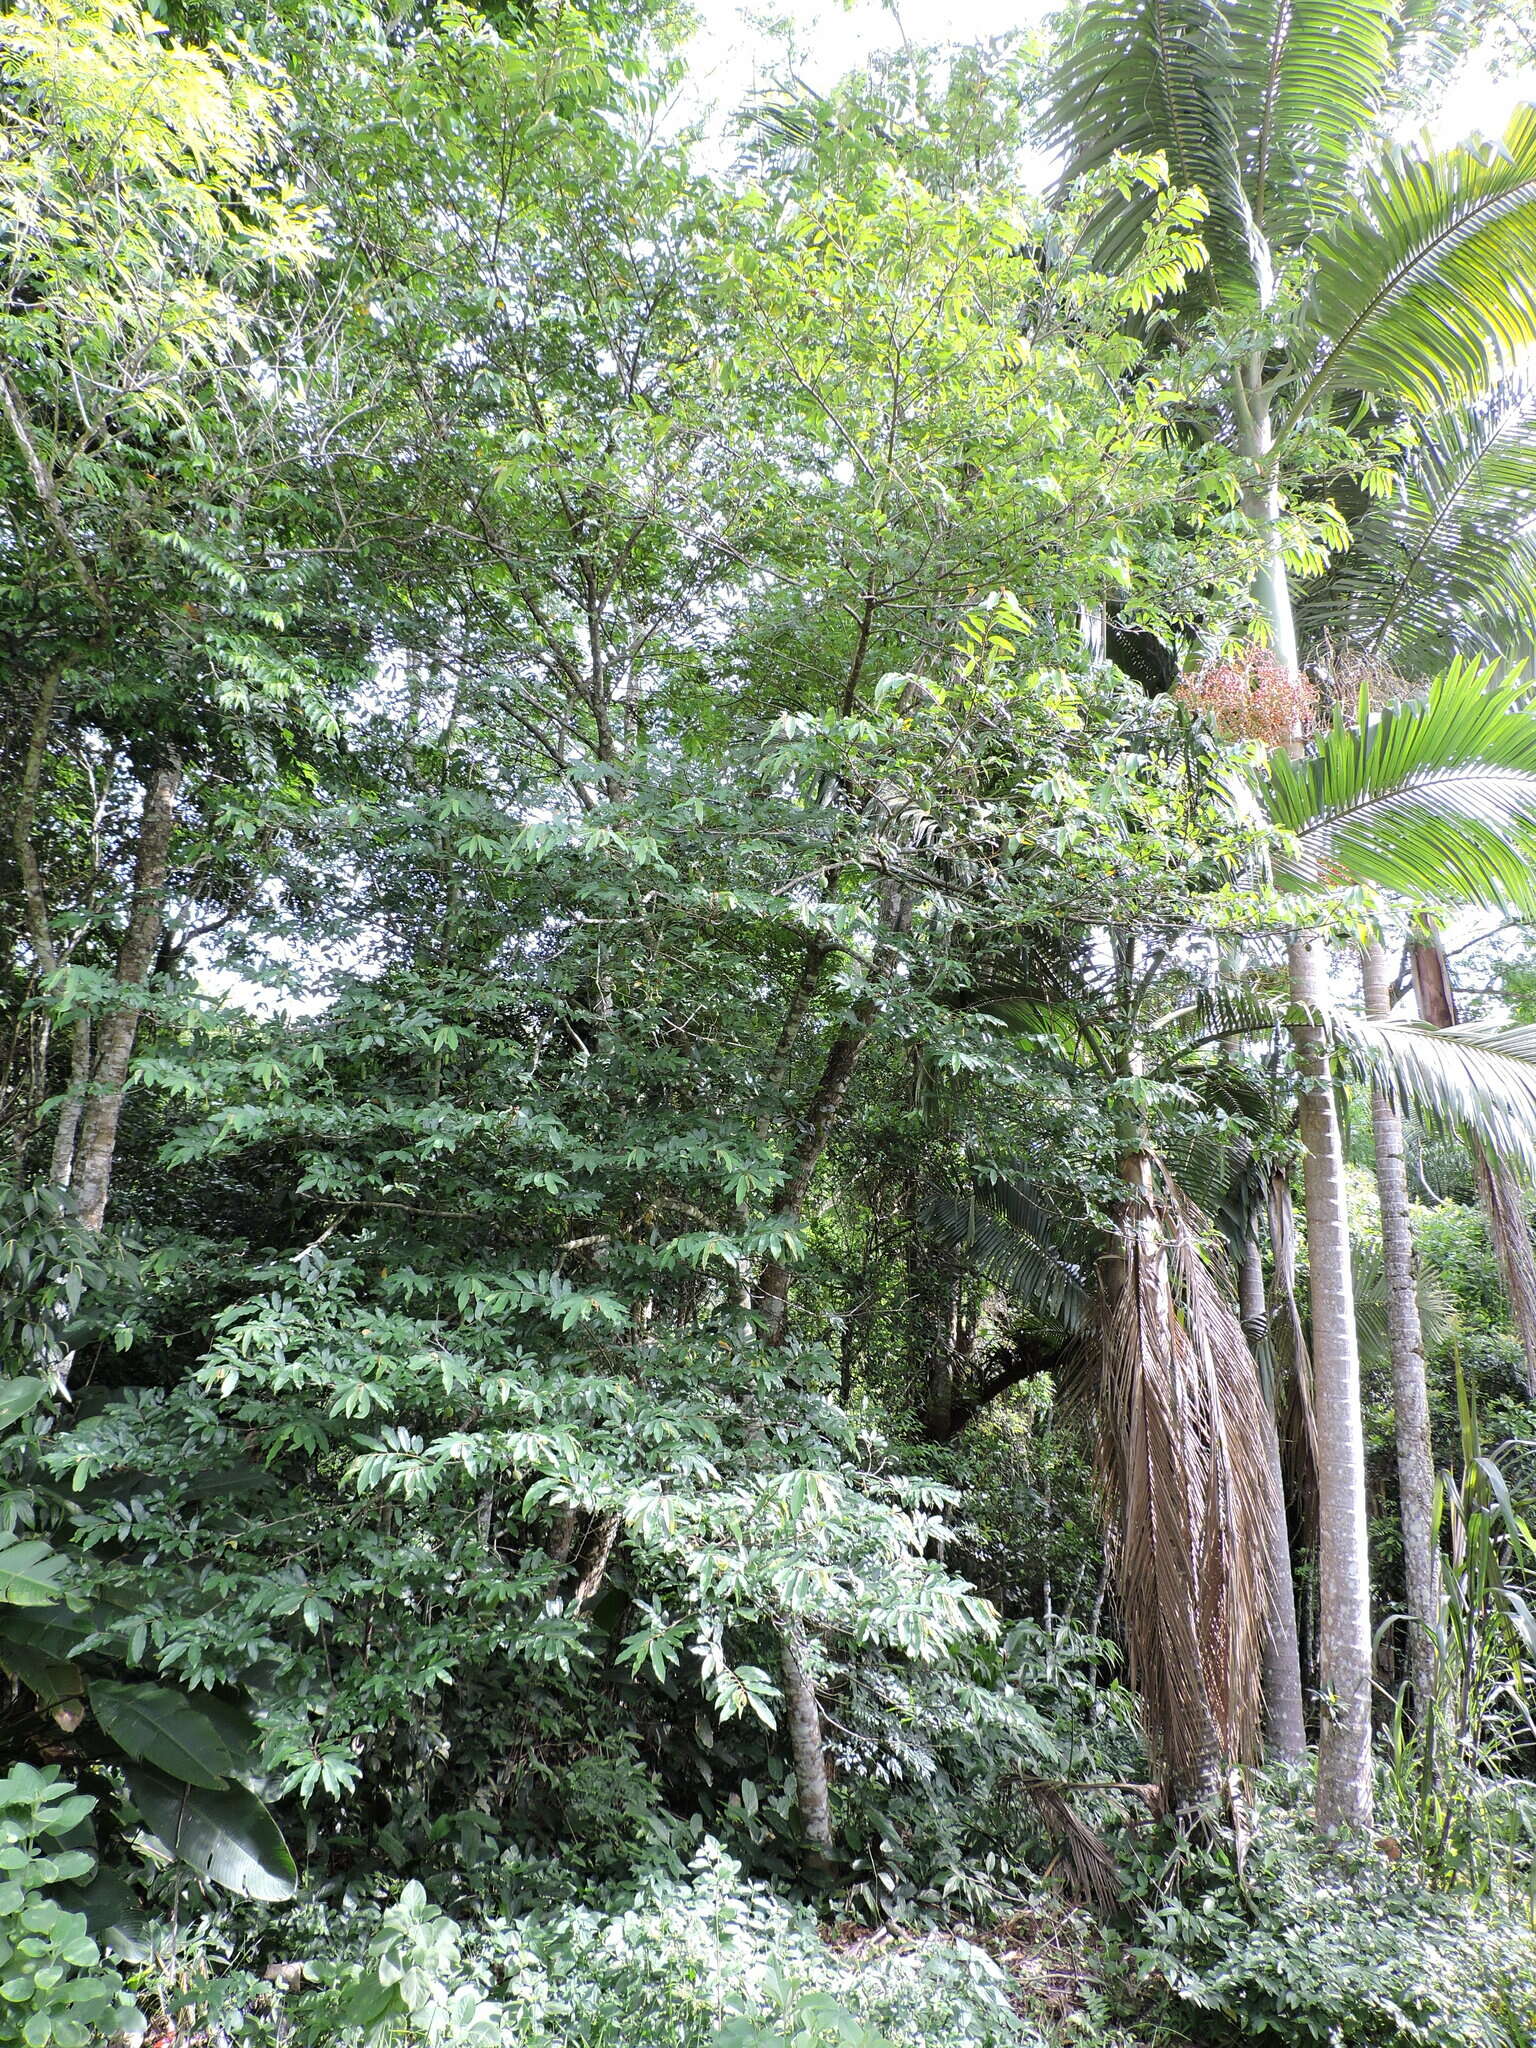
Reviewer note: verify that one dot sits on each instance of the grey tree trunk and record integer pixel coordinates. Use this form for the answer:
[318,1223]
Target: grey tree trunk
[1285,1728]
[1345,1795]
[103,1107]
[1410,1386]
[807,1746]
[1499,1192]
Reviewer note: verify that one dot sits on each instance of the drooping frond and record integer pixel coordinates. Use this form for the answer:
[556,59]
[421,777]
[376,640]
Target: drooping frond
[1141,76]
[1449,561]
[1040,1260]
[1425,287]
[1307,79]
[1477,1079]
[1434,799]
[1260,103]
[1180,1427]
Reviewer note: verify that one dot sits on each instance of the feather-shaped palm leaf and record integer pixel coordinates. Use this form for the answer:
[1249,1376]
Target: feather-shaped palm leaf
[1434,799]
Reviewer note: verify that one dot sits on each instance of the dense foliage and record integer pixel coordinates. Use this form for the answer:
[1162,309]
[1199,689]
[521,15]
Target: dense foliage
[658,1343]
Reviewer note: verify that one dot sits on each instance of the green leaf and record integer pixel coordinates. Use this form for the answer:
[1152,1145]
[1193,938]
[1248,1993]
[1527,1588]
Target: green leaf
[161,1726]
[227,1836]
[52,1679]
[30,1573]
[19,1398]
[1425,290]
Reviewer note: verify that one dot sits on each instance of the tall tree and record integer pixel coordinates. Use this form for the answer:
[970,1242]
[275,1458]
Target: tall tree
[1416,290]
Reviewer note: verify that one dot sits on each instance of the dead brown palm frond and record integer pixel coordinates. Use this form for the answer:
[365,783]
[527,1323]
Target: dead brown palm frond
[1082,1858]
[1180,1443]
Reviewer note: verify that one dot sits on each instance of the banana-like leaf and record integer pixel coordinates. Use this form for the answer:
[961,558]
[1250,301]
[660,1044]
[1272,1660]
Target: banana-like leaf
[1425,287]
[227,1836]
[1474,1078]
[1448,562]
[1434,799]
[30,1573]
[163,1727]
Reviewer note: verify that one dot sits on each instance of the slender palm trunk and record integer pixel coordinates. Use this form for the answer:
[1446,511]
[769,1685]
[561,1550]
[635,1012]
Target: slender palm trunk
[1344,1790]
[1285,1730]
[1410,1388]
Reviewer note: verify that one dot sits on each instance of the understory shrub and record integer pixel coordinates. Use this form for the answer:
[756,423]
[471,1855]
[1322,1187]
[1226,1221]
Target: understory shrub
[1347,1947]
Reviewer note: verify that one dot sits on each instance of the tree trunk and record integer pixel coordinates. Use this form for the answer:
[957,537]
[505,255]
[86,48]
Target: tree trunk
[1285,1729]
[807,1746]
[1344,1789]
[103,1107]
[1410,1385]
[1499,1192]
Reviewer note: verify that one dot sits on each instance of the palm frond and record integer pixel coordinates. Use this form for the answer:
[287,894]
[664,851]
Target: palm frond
[1142,76]
[1307,80]
[1449,561]
[1425,289]
[1437,1309]
[1434,799]
[1179,1427]
[1039,1259]
[1473,1079]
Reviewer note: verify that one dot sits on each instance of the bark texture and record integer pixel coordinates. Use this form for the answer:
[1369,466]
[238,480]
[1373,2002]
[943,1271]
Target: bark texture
[1410,1387]
[103,1107]
[1344,1789]
[807,1747]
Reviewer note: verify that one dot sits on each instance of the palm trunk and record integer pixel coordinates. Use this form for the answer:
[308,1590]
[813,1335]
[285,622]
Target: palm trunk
[1285,1728]
[1344,1790]
[1499,1192]
[1410,1386]
[103,1108]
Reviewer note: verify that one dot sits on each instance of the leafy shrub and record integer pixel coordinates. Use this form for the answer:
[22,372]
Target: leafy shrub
[706,1960]
[55,1991]
[1347,1948]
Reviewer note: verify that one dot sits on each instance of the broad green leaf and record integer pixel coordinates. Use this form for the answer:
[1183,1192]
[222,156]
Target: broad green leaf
[227,1836]
[18,1398]
[163,1727]
[30,1573]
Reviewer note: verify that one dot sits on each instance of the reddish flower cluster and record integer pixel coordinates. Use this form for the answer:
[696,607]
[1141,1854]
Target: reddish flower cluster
[1253,697]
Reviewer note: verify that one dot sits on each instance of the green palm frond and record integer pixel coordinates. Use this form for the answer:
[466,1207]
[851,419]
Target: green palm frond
[1141,76]
[1260,103]
[1434,799]
[1308,78]
[1437,1308]
[1039,1259]
[1477,1079]
[1425,288]
[1449,561]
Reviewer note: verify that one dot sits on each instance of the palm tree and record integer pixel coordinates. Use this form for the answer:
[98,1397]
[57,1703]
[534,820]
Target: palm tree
[1421,292]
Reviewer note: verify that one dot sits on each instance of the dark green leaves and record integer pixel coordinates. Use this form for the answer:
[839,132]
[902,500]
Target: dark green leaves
[164,1728]
[227,1835]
